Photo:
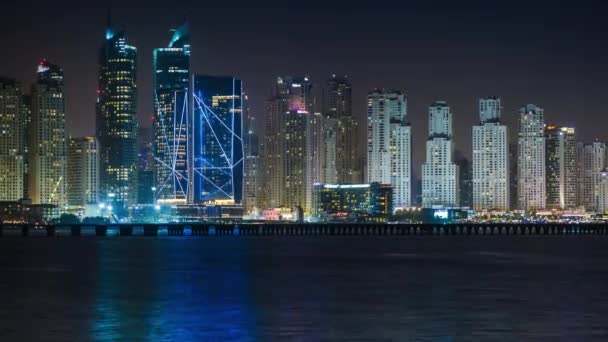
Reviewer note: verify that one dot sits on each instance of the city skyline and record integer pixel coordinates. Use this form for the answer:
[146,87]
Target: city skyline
[458,76]
[309,137]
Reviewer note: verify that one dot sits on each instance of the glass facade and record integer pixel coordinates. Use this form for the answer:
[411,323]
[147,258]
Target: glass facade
[217,140]
[172,125]
[117,122]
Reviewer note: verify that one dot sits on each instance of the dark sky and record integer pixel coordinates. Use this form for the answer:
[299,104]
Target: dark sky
[525,52]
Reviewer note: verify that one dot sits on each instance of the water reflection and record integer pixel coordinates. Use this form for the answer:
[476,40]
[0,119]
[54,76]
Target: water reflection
[172,290]
[304,289]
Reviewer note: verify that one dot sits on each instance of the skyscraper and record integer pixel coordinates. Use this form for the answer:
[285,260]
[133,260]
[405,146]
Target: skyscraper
[560,164]
[172,124]
[598,166]
[26,121]
[591,163]
[602,193]
[252,175]
[531,158]
[12,142]
[490,158]
[341,133]
[83,171]
[389,144]
[440,175]
[117,122]
[291,158]
[513,156]
[217,140]
[465,179]
[48,164]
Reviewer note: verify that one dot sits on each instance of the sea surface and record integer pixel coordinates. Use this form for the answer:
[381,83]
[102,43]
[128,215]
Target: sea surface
[471,288]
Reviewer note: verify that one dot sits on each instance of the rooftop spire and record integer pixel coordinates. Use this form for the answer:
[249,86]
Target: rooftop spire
[109,30]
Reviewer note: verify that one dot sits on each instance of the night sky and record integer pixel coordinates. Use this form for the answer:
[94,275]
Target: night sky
[552,57]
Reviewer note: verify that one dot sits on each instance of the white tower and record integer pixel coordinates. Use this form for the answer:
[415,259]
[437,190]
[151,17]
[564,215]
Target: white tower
[531,158]
[389,140]
[490,158]
[440,175]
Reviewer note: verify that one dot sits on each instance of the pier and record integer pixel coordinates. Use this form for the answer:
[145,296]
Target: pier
[304,229]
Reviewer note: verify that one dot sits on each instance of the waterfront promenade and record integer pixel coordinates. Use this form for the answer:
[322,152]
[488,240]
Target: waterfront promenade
[304,229]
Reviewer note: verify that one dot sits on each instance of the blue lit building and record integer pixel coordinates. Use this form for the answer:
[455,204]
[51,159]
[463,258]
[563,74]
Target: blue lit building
[117,121]
[172,124]
[217,140]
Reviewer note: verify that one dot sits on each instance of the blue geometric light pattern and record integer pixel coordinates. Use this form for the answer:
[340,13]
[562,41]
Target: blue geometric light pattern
[218,143]
[173,148]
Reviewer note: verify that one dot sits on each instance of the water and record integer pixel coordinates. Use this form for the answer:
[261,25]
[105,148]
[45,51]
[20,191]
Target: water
[304,289]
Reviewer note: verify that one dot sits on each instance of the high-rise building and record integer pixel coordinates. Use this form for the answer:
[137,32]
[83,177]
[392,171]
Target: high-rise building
[389,144]
[12,141]
[440,175]
[217,140]
[602,193]
[490,158]
[48,162]
[340,130]
[146,188]
[531,158]
[591,162]
[117,122]
[560,164]
[329,172]
[587,164]
[292,144]
[252,173]
[598,166]
[26,121]
[83,171]
[172,126]
[465,177]
[513,155]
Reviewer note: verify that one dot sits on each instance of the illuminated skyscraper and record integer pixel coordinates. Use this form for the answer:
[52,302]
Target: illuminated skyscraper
[560,163]
[291,159]
[389,140]
[48,164]
[117,122]
[252,177]
[490,158]
[340,134]
[172,122]
[591,162]
[531,158]
[513,156]
[217,140]
[601,205]
[83,171]
[440,175]
[12,142]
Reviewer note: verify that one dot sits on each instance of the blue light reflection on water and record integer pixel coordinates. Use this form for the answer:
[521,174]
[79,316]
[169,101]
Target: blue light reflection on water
[172,291]
[304,289]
